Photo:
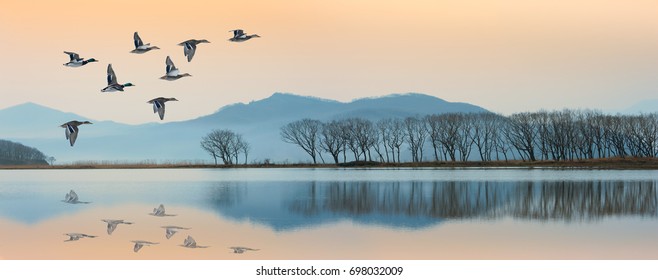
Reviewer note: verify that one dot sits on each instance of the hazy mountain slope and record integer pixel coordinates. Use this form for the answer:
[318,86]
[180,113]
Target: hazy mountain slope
[258,121]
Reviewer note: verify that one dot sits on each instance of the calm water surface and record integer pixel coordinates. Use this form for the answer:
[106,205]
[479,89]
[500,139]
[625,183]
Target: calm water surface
[333,213]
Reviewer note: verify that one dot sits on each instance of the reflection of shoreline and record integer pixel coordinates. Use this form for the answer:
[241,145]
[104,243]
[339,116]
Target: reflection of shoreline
[400,204]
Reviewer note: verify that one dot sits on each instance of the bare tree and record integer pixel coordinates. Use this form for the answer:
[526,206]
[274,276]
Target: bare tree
[520,133]
[415,136]
[226,145]
[305,134]
[331,140]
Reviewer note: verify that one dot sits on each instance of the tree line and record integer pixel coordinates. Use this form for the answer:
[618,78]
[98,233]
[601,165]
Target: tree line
[16,153]
[564,135]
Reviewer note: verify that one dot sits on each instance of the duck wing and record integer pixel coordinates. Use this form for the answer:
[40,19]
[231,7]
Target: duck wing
[111,77]
[189,49]
[73,56]
[137,40]
[238,33]
[71,133]
[161,112]
[170,65]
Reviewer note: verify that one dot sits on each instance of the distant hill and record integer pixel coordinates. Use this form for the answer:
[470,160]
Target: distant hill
[259,121]
[646,107]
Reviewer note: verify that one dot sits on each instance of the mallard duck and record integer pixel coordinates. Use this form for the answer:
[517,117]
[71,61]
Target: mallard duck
[112,224]
[189,47]
[76,236]
[140,243]
[140,47]
[159,105]
[240,36]
[76,60]
[189,242]
[72,130]
[172,72]
[171,230]
[112,84]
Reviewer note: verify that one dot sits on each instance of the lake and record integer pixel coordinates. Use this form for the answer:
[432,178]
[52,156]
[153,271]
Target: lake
[333,214]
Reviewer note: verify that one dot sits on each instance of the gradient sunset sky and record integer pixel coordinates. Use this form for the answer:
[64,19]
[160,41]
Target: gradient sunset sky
[504,55]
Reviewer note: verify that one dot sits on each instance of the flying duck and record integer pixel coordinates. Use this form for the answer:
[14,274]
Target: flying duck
[189,47]
[76,60]
[240,36]
[159,105]
[72,130]
[172,72]
[140,47]
[112,84]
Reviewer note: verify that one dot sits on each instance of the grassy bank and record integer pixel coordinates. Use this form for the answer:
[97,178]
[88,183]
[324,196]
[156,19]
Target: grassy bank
[614,163]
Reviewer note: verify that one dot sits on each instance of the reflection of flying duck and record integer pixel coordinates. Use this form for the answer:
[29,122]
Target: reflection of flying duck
[77,236]
[171,230]
[112,224]
[189,242]
[160,212]
[240,250]
[141,243]
[72,198]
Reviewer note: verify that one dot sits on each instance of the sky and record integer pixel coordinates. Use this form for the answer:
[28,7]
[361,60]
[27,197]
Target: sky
[504,55]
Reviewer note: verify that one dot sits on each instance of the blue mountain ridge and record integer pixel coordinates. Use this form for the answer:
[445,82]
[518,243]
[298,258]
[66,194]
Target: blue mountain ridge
[259,121]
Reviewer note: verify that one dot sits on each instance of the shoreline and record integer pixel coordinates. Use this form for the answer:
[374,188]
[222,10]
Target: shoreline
[611,164]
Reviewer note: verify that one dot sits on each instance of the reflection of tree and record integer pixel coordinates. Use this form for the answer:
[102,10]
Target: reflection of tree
[227,193]
[564,200]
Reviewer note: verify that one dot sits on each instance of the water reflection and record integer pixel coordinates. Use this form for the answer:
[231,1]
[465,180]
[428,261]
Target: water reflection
[419,204]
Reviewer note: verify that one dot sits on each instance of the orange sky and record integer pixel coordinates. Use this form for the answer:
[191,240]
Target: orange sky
[504,55]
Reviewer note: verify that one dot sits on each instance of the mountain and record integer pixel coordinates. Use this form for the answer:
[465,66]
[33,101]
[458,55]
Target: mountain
[644,107]
[259,122]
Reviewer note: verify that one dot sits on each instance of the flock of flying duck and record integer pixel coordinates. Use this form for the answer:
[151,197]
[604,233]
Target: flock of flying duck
[171,73]
[72,198]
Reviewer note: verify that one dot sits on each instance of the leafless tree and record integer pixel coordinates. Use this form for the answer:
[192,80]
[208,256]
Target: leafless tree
[226,145]
[415,136]
[304,133]
[331,139]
